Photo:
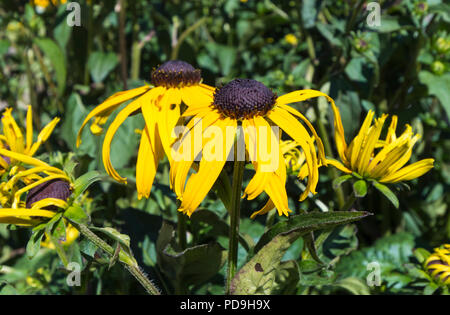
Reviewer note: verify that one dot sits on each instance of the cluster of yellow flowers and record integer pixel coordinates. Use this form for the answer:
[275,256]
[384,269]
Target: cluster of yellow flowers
[248,108]
[31,190]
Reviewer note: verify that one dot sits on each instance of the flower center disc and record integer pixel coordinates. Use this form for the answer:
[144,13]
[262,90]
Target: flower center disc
[56,188]
[175,73]
[244,98]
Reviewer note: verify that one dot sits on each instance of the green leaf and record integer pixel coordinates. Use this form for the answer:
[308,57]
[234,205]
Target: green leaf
[101,64]
[84,181]
[193,265]
[257,276]
[391,253]
[387,193]
[122,239]
[304,223]
[56,56]
[340,180]
[421,254]
[314,274]
[76,214]
[286,278]
[353,285]
[310,9]
[360,188]
[438,86]
[206,224]
[34,244]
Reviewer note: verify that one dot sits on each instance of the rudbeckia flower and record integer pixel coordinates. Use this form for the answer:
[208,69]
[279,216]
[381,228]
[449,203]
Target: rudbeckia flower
[174,82]
[17,141]
[438,264]
[246,107]
[374,158]
[46,189]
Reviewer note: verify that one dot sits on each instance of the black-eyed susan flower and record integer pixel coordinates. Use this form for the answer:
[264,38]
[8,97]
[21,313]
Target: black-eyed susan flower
[374,158]
[174,82]
[438,264]
[246,107]
[33,193]
[15,140]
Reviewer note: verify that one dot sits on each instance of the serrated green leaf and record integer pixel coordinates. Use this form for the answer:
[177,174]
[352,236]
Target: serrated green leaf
[304,223]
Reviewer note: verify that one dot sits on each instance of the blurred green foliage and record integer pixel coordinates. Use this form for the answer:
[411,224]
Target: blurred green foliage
[399,67]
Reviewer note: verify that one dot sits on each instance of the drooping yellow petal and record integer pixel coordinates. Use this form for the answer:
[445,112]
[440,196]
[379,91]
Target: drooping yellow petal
[297,132]
[321,150]
[200,184]
[168,116]
[111,104]
[257,184]
[148,159]
[182,161]
[120,118]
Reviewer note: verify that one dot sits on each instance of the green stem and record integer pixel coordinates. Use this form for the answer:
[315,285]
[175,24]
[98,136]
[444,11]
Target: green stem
[349,203]
[125,260]
[183,36]
[238,173]
[182,230]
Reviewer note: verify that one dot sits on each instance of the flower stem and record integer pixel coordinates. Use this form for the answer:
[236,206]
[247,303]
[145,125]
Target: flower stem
[238,173]
[124,259]
[349,203]
[182,230]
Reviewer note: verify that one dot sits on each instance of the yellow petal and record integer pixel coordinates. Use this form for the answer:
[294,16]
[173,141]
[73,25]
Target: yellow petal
[168,116]
[369,144]
[409,172]
[111,104]
[147,162]
[197,96]
[297,132]
[43,136]
[200,184]
[29,128]
[120,118]
[354,150]
[182,161]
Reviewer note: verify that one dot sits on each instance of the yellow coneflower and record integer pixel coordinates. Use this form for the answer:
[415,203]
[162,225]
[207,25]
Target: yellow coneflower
[15,140]
[248,106]
[375,158]
[175,82]
[438,264]
[46,188]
